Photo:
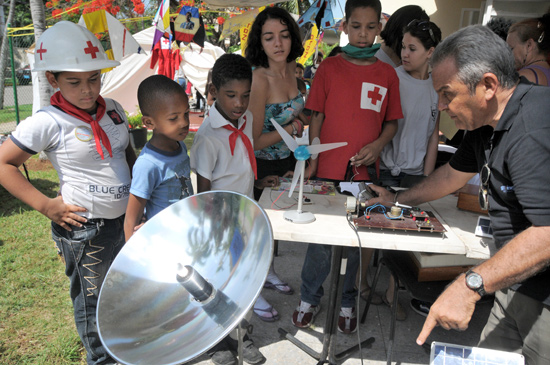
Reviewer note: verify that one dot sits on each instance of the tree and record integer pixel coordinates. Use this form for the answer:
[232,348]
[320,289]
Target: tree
[39,24]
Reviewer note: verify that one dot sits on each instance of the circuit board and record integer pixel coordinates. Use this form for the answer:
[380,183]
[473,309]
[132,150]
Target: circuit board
[413,219]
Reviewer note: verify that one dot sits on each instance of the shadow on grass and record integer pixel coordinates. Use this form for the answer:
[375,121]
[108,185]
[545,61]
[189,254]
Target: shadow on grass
[9,205]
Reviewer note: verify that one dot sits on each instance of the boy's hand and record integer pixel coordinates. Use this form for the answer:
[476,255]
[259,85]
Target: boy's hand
[64,214]
[367,155]
[139,225]
[267,182]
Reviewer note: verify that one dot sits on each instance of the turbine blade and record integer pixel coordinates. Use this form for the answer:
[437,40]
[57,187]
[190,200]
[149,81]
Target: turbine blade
[315,141]
[297,173]
[314,149]
[287,138]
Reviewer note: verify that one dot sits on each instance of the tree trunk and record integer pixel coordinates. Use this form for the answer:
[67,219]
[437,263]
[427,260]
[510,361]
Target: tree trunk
[39,22]
[4,56]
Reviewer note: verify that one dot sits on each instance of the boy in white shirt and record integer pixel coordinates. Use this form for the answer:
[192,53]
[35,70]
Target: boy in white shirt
[223,158]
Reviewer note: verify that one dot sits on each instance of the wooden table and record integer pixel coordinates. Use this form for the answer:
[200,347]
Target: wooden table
[331,227]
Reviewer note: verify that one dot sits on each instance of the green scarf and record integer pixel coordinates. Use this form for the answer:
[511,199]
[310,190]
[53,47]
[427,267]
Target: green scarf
[361,53]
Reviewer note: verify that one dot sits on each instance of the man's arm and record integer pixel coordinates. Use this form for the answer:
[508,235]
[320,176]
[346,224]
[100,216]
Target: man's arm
[441,182]
[524,256]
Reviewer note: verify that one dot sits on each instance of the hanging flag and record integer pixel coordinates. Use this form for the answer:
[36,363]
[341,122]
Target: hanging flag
[238,22]
[200,36]
[117,41]
[320,13]
[161,21]
[244,31]
[310,45]
[187,24]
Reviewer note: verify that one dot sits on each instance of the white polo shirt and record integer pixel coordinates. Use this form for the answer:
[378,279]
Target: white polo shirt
[211,154]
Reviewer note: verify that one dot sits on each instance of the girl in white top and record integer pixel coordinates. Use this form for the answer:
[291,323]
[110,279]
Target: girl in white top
[412,153]
[413,150]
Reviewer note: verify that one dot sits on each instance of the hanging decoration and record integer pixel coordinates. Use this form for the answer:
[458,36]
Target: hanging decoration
[189,26]
[320,14]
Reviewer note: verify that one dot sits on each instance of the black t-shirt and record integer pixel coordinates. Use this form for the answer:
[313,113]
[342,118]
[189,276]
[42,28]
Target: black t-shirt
[519,186]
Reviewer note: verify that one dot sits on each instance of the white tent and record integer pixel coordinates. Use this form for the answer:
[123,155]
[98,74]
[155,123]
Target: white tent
[121,84]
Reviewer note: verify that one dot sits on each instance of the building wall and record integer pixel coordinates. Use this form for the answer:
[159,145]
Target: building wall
[445,13]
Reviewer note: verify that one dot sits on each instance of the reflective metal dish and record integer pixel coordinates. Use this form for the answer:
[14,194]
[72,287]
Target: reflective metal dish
[145,316]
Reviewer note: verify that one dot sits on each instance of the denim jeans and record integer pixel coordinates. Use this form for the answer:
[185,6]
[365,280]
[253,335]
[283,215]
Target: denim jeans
[89,252]
[316,268]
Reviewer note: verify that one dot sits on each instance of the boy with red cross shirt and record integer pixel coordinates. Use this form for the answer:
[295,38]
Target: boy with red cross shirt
[354,99]
[86,138]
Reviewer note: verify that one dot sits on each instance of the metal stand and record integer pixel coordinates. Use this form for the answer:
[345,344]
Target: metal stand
[240,343]
[327,354]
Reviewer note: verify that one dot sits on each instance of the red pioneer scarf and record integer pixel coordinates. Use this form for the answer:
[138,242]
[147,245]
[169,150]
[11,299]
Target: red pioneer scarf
[233,139]
[99,134]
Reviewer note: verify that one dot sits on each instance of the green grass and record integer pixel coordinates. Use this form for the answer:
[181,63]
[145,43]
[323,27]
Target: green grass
[36,316]
[8,113]
[36,320]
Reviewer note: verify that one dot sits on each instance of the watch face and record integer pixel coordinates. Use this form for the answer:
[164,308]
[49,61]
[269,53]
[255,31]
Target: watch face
[474,281]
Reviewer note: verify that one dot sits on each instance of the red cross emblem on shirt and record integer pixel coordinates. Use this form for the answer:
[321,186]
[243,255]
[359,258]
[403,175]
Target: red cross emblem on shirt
[41,50]
[91,49]
[375,95]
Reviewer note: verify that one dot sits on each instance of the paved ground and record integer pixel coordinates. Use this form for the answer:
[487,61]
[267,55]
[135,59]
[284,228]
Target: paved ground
[280,351]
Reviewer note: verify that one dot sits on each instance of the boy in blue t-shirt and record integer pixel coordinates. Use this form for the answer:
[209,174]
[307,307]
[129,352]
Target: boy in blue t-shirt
[161,174]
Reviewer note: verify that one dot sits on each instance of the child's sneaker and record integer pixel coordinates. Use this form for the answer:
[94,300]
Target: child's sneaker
[221,354]
[347,321]
[304,314]
[251,354]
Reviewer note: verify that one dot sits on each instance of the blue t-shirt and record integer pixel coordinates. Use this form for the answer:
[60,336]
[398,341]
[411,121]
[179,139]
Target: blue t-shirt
[157,177]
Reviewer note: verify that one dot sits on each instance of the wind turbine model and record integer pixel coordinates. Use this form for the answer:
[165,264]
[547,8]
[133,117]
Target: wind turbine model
[301,153]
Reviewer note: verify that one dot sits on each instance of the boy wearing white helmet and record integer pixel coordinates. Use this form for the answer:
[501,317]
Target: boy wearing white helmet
[86,139]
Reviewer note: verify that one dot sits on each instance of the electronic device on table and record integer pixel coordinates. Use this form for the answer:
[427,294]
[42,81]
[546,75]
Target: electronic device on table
[445,353]
[389,216]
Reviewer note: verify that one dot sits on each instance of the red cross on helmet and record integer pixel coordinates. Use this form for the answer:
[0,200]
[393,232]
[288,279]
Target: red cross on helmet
[69,47]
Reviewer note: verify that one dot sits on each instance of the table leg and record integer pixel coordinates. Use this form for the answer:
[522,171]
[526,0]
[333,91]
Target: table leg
[338,274]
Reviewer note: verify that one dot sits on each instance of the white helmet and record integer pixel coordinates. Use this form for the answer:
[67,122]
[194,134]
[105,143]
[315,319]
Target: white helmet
[69,47]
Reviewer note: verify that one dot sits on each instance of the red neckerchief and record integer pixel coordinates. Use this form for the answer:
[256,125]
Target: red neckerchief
[99,134]
[233,139]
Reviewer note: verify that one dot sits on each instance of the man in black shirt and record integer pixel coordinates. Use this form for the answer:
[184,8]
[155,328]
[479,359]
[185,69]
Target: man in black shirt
[508,143]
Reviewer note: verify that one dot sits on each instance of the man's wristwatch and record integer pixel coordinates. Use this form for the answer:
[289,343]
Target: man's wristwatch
[474,281]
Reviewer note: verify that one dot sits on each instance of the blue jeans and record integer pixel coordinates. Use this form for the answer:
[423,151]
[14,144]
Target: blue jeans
[316,268]
[89,252]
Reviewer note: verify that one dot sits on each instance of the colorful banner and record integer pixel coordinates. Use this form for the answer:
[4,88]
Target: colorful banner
[161,21]
[238,22]
[320,14]
[310,45]
[116,40]
[186,24]
[243,32]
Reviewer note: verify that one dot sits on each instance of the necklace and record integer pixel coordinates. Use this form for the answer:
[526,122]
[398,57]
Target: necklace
[530,63]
